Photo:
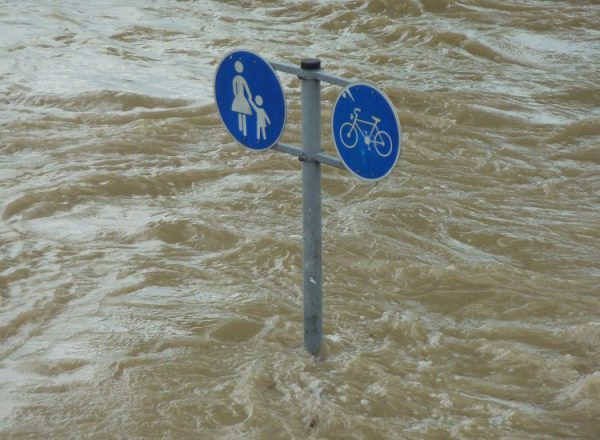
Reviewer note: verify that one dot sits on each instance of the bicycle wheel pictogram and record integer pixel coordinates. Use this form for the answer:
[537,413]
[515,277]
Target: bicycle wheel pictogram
[383,144]
[348,135]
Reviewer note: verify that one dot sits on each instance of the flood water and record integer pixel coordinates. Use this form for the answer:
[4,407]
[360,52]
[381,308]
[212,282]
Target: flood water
[151,267]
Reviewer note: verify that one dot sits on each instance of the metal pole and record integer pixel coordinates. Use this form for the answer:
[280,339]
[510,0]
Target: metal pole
[311,201]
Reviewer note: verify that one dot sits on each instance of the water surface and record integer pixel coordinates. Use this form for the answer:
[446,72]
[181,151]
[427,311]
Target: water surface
[150,267]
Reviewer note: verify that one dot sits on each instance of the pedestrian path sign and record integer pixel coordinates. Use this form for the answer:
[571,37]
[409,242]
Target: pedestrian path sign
[366,131]
[250,100]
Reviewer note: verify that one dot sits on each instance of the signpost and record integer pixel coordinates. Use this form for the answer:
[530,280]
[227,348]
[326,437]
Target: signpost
[366,134]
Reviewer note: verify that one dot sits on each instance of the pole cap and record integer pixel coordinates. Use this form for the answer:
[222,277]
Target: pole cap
[310,64]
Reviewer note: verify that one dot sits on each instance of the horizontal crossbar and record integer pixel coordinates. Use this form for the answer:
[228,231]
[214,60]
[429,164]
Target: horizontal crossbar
[310,74]
[320,76]
[319,157]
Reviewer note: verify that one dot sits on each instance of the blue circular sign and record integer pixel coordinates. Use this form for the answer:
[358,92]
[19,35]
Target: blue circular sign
[366,131]
[250,100]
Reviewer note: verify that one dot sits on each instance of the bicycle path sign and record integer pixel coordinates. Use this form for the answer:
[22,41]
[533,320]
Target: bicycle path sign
[250,100]
[366,131]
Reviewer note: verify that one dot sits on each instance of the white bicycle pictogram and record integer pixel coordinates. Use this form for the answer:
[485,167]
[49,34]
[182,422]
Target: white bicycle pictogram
[380,139]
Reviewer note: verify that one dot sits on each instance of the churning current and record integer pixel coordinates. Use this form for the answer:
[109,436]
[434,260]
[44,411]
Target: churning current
[151,267]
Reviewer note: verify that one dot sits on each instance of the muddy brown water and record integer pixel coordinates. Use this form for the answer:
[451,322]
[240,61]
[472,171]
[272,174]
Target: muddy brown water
[150,267]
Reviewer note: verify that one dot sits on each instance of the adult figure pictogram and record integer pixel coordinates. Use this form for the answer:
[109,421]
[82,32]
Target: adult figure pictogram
[241,98]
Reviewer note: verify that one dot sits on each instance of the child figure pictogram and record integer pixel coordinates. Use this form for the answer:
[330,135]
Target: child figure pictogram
[262,119]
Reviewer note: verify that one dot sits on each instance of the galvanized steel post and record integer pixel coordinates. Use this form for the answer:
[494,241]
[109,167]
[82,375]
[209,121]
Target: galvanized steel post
[311,196]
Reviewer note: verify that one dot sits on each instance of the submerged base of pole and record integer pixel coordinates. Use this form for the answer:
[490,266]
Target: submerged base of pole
[311,192]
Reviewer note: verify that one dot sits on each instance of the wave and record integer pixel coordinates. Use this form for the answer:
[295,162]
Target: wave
[104,100]
[577,130]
